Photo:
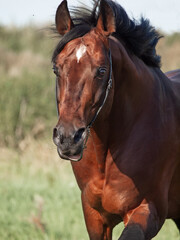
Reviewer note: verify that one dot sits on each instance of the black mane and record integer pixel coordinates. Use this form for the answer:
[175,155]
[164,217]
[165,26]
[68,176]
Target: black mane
[139,36]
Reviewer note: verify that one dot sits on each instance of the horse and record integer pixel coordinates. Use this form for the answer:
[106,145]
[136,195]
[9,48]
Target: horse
[118,120]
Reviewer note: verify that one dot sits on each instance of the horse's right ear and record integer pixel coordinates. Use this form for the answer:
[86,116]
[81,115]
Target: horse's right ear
[106,21]
[63,19]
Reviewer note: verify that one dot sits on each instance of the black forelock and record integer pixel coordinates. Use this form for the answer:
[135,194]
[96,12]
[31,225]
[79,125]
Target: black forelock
[76,32]
[140,36]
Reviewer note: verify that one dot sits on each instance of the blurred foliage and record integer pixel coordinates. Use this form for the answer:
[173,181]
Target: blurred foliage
[169,50]
[27,98]
[175,37]
[31,38]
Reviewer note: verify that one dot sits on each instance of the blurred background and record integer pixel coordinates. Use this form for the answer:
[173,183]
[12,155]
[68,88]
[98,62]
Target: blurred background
[39,197]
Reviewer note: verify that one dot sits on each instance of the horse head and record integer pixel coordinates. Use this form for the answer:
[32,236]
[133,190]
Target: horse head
[83,71]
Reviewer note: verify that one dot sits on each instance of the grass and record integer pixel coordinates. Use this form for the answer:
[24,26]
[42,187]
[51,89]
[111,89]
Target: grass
[38,195]
[40,199]
[169,50]
[26,85]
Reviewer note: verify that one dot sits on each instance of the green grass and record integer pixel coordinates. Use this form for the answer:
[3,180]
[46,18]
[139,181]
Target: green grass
[40,200]
[27,98]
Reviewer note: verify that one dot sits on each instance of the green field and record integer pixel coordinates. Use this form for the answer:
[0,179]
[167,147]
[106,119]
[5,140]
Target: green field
[39,197]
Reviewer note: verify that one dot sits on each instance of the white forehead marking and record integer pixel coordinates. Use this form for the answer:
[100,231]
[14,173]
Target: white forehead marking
[80,52]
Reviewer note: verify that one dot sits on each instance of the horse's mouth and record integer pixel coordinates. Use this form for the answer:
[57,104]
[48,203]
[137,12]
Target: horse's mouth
[72,157]
[76,154]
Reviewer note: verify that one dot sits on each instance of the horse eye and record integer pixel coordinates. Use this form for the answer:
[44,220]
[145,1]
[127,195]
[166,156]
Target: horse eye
[55,70]
[101,71]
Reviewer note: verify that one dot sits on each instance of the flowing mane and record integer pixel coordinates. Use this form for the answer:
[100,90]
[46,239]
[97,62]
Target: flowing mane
[139,37]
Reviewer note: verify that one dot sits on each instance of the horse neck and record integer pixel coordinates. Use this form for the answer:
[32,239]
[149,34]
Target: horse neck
[131,96]
[134,86]
[138,96]
[125,94]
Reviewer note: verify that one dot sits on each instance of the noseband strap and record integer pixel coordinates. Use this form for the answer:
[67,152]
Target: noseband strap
[57,109]
[109,86]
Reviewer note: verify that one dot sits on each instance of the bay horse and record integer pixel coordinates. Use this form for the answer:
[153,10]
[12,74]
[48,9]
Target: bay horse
[119,120]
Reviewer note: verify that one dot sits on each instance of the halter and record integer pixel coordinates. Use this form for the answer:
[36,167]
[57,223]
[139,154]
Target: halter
[109,86]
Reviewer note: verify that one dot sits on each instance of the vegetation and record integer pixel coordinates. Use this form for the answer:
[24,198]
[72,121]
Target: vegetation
[39,197]
[169,49]
[26,84]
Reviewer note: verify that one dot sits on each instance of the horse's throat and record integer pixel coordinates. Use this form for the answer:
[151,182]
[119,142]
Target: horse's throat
[100,142]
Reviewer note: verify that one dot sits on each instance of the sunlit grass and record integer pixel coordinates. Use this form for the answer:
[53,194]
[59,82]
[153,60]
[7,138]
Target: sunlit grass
[39,197]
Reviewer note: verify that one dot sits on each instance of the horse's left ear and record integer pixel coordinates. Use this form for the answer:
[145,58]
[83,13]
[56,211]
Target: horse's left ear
[63,20]
[106,21]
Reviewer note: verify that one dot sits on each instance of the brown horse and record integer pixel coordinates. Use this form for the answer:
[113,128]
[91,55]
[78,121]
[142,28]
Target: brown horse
[120,115]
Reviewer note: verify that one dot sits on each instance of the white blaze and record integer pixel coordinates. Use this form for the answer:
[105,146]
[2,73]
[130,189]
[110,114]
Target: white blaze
[80,52]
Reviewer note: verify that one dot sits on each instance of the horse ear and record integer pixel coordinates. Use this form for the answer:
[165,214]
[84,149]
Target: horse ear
[106,21]
[63,20]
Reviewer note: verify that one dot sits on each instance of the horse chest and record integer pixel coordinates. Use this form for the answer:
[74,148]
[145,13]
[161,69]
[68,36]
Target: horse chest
[93,194]
[119,198]
[113,197]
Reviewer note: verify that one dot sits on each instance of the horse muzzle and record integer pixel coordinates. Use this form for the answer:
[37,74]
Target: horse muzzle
[70,144]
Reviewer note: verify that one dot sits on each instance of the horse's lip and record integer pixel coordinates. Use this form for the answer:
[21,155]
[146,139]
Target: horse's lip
[74,158]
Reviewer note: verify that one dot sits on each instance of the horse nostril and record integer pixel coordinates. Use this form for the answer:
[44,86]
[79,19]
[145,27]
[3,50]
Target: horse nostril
[57,136]
[78,135]
[55,132]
